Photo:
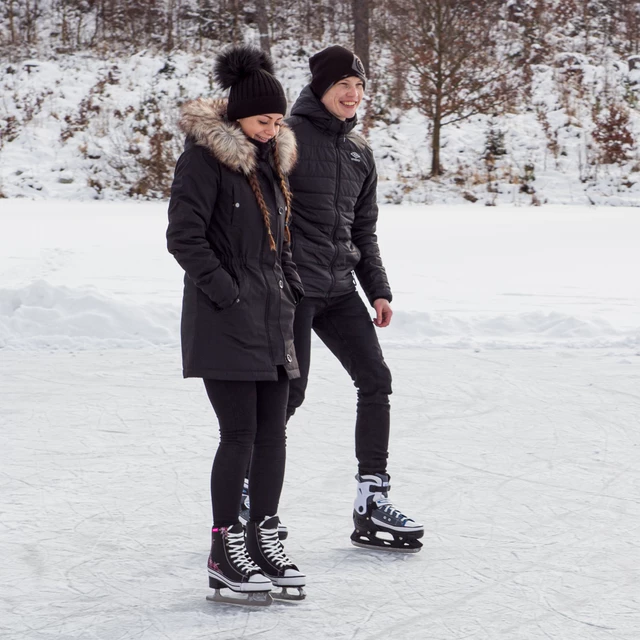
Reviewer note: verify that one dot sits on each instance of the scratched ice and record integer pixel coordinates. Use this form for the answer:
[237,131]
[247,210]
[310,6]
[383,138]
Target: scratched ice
[516,435]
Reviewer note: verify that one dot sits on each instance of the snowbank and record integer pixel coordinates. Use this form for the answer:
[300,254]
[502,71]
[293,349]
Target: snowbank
[44,316]
[77,276]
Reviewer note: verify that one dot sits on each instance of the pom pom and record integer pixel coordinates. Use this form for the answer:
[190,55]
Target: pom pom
[236,63]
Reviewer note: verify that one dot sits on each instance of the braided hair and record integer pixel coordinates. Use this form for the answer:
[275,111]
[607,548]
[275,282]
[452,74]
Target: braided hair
[287,196]
[255,187]
[257,192]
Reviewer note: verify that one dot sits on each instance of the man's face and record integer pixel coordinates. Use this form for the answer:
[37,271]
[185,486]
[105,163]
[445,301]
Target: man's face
[344,97]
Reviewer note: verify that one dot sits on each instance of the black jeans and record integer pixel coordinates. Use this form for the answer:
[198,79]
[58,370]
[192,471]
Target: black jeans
[251,415]
[344,324]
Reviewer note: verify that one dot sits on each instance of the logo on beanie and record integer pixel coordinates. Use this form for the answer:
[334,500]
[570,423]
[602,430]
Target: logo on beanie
[358,66]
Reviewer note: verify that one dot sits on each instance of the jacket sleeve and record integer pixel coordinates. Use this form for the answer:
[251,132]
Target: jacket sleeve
[193,198]
[291,272]
[369,270]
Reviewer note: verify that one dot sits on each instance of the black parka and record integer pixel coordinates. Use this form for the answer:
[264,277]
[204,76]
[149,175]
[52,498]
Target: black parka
[239,295]
[334,205]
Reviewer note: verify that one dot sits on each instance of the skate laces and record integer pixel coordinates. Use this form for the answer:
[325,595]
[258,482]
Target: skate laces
[385,505]
[273,548]
[238,552]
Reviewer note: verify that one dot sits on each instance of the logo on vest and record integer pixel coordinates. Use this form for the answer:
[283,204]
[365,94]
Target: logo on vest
[355,156]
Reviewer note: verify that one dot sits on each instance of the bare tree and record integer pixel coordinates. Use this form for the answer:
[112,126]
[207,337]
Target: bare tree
[361,41]
[11,14]
[30,20]
[262,20]
[630,17]
[456,69]
[169,42]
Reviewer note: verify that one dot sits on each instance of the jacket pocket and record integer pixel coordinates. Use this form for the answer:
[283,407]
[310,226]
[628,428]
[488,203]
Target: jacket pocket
[243,204]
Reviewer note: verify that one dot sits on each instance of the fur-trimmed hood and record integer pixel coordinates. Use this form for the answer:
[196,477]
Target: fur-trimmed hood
[205,121]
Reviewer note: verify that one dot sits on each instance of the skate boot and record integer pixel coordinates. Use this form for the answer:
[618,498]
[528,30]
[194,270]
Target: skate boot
[266,550]
[378,523]
[231,567]
[283,532]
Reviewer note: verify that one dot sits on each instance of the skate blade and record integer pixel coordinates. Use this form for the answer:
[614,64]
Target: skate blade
[377,547]
[252,599]
[285,595]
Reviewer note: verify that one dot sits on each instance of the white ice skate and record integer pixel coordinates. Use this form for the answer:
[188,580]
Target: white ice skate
[378,524]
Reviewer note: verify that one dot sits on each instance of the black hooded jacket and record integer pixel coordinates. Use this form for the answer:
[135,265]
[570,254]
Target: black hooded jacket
[239,295]
[334,205]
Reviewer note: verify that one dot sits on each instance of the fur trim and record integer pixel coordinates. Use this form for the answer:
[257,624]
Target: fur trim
[286,149]
[205,121]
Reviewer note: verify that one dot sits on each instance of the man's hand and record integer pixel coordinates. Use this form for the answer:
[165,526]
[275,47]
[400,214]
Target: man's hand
[383,313]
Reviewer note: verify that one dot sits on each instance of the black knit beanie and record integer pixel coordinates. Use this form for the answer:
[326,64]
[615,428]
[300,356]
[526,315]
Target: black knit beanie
[248,73]
[333,64]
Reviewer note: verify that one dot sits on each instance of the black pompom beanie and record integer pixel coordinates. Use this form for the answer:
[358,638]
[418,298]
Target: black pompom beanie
[248,74]
[331,65]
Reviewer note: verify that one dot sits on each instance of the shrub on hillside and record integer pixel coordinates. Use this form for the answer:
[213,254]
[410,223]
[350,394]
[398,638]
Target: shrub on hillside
[613,134]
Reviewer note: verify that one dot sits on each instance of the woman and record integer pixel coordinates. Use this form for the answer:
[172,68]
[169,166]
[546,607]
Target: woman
[229,230]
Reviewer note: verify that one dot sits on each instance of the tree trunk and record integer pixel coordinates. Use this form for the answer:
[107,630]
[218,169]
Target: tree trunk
[170,12]
[262,20]
[11,25]
[236,35]
[361,41]
[27,20]
[399,81]
[64,28]
[436,167]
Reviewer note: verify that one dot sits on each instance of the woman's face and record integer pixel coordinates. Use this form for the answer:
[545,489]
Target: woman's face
[261,128]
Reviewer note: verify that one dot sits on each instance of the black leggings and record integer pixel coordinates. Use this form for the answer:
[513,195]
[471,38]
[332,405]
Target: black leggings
[250,415]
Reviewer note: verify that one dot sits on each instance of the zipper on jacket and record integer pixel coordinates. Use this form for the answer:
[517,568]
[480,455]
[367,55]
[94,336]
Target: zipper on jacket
[335,209]
[268,305]
[278,240]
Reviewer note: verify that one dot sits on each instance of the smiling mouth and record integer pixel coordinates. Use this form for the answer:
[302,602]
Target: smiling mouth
[261,138]
[349,104]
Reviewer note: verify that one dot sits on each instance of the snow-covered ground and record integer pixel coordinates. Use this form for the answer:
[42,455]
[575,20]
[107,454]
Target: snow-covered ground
[516,429]
[81,126]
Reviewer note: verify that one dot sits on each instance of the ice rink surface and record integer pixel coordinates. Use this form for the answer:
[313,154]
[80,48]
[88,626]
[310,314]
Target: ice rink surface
[523,466]
[515,351]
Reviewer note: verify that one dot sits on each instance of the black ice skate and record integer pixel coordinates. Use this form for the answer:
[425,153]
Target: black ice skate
[378,524]
[283,532]
[266,550]
[231,567]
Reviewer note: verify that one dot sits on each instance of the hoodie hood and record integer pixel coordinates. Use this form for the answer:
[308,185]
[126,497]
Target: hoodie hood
[205,121]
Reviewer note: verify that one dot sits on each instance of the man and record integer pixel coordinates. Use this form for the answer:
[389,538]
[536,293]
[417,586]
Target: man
[333,230]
